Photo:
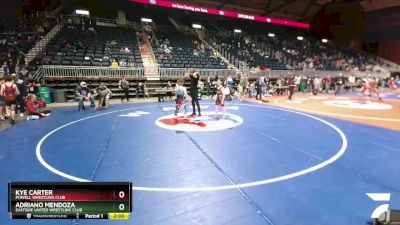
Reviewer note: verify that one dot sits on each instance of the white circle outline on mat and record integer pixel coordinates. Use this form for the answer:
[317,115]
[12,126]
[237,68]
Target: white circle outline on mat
[351,104]
[276,101]
[325,163]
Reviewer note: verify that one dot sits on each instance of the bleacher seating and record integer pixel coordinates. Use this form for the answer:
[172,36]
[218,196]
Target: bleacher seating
[283,51]
[18,37]
[12,44]
[87,48]
[245,51]
[183,47]
[69,84]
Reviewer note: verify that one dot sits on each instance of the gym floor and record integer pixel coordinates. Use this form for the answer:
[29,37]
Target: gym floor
[310,161]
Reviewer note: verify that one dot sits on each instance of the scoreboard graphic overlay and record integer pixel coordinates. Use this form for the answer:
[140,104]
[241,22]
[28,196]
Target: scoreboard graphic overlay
[72,200]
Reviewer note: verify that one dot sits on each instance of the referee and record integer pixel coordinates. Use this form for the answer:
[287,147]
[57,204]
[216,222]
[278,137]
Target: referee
[194,93]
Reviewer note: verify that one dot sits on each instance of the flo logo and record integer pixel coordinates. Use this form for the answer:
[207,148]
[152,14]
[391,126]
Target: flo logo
[209,121]
[379,197]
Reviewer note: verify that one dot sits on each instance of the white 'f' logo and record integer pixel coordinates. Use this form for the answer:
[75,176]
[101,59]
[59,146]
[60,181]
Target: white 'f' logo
[379,197]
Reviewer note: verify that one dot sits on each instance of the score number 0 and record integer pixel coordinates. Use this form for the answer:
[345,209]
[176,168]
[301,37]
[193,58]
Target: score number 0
[121,206]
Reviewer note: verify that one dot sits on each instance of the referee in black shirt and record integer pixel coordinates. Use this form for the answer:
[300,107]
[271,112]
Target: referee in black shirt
[194,93]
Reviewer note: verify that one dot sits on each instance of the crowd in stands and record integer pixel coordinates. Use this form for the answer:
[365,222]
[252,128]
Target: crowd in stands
[262,52]
[14,45]
[175,49]
[17,86]
[35,24]
[81,42]
[265,86]
[18,94]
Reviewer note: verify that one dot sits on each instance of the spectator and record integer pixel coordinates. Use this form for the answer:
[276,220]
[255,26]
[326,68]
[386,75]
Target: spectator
[146,90]
[292,86]
[310,86]
[297,80]
[5,68]
[23,89]
[33,107]
[70,25]
[11,67]
[33,85]
[201,88]
[23,73]
[327,84]
[107,49]
[65,45]
[82,93]
[260,84]
[114,64]
[2,101]
[339,84]
[113,43]
[169,87]
[317,85]
[392,83]
[167,51]
[352,82]
[208,86]
[229,81]
[123,63]
[124,85]
[140,90]
[46,59]
[91,27]
[10,92]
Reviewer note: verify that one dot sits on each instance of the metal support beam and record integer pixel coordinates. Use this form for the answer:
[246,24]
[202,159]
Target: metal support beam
[307,8]
[267,7]
[279,7]
[224,2]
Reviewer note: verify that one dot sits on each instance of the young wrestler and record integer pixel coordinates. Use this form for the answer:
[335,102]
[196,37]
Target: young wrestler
[10,92]
[220,99]
[369,86]
[180,94]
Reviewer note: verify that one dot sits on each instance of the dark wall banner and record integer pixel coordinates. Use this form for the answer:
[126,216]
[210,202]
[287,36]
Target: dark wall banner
[231,14]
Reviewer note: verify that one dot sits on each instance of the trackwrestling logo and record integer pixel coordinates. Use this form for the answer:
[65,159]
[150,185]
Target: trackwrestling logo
[379,197]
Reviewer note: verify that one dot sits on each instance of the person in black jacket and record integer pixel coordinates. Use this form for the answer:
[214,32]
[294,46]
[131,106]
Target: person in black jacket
[194,93]
[23,90]
[123,84]
[292,86]
[339,84]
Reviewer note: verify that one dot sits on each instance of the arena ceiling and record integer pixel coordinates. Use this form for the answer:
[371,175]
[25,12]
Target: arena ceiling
[299,10]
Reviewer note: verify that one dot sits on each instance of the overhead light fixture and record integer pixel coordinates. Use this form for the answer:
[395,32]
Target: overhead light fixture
[237,31]
[268,20]
[271,35]
[300,38]
[197,26]
[82,12]
[324,40]
[146,20]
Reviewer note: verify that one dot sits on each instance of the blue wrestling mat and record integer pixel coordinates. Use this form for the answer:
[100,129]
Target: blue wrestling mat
[259,165]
